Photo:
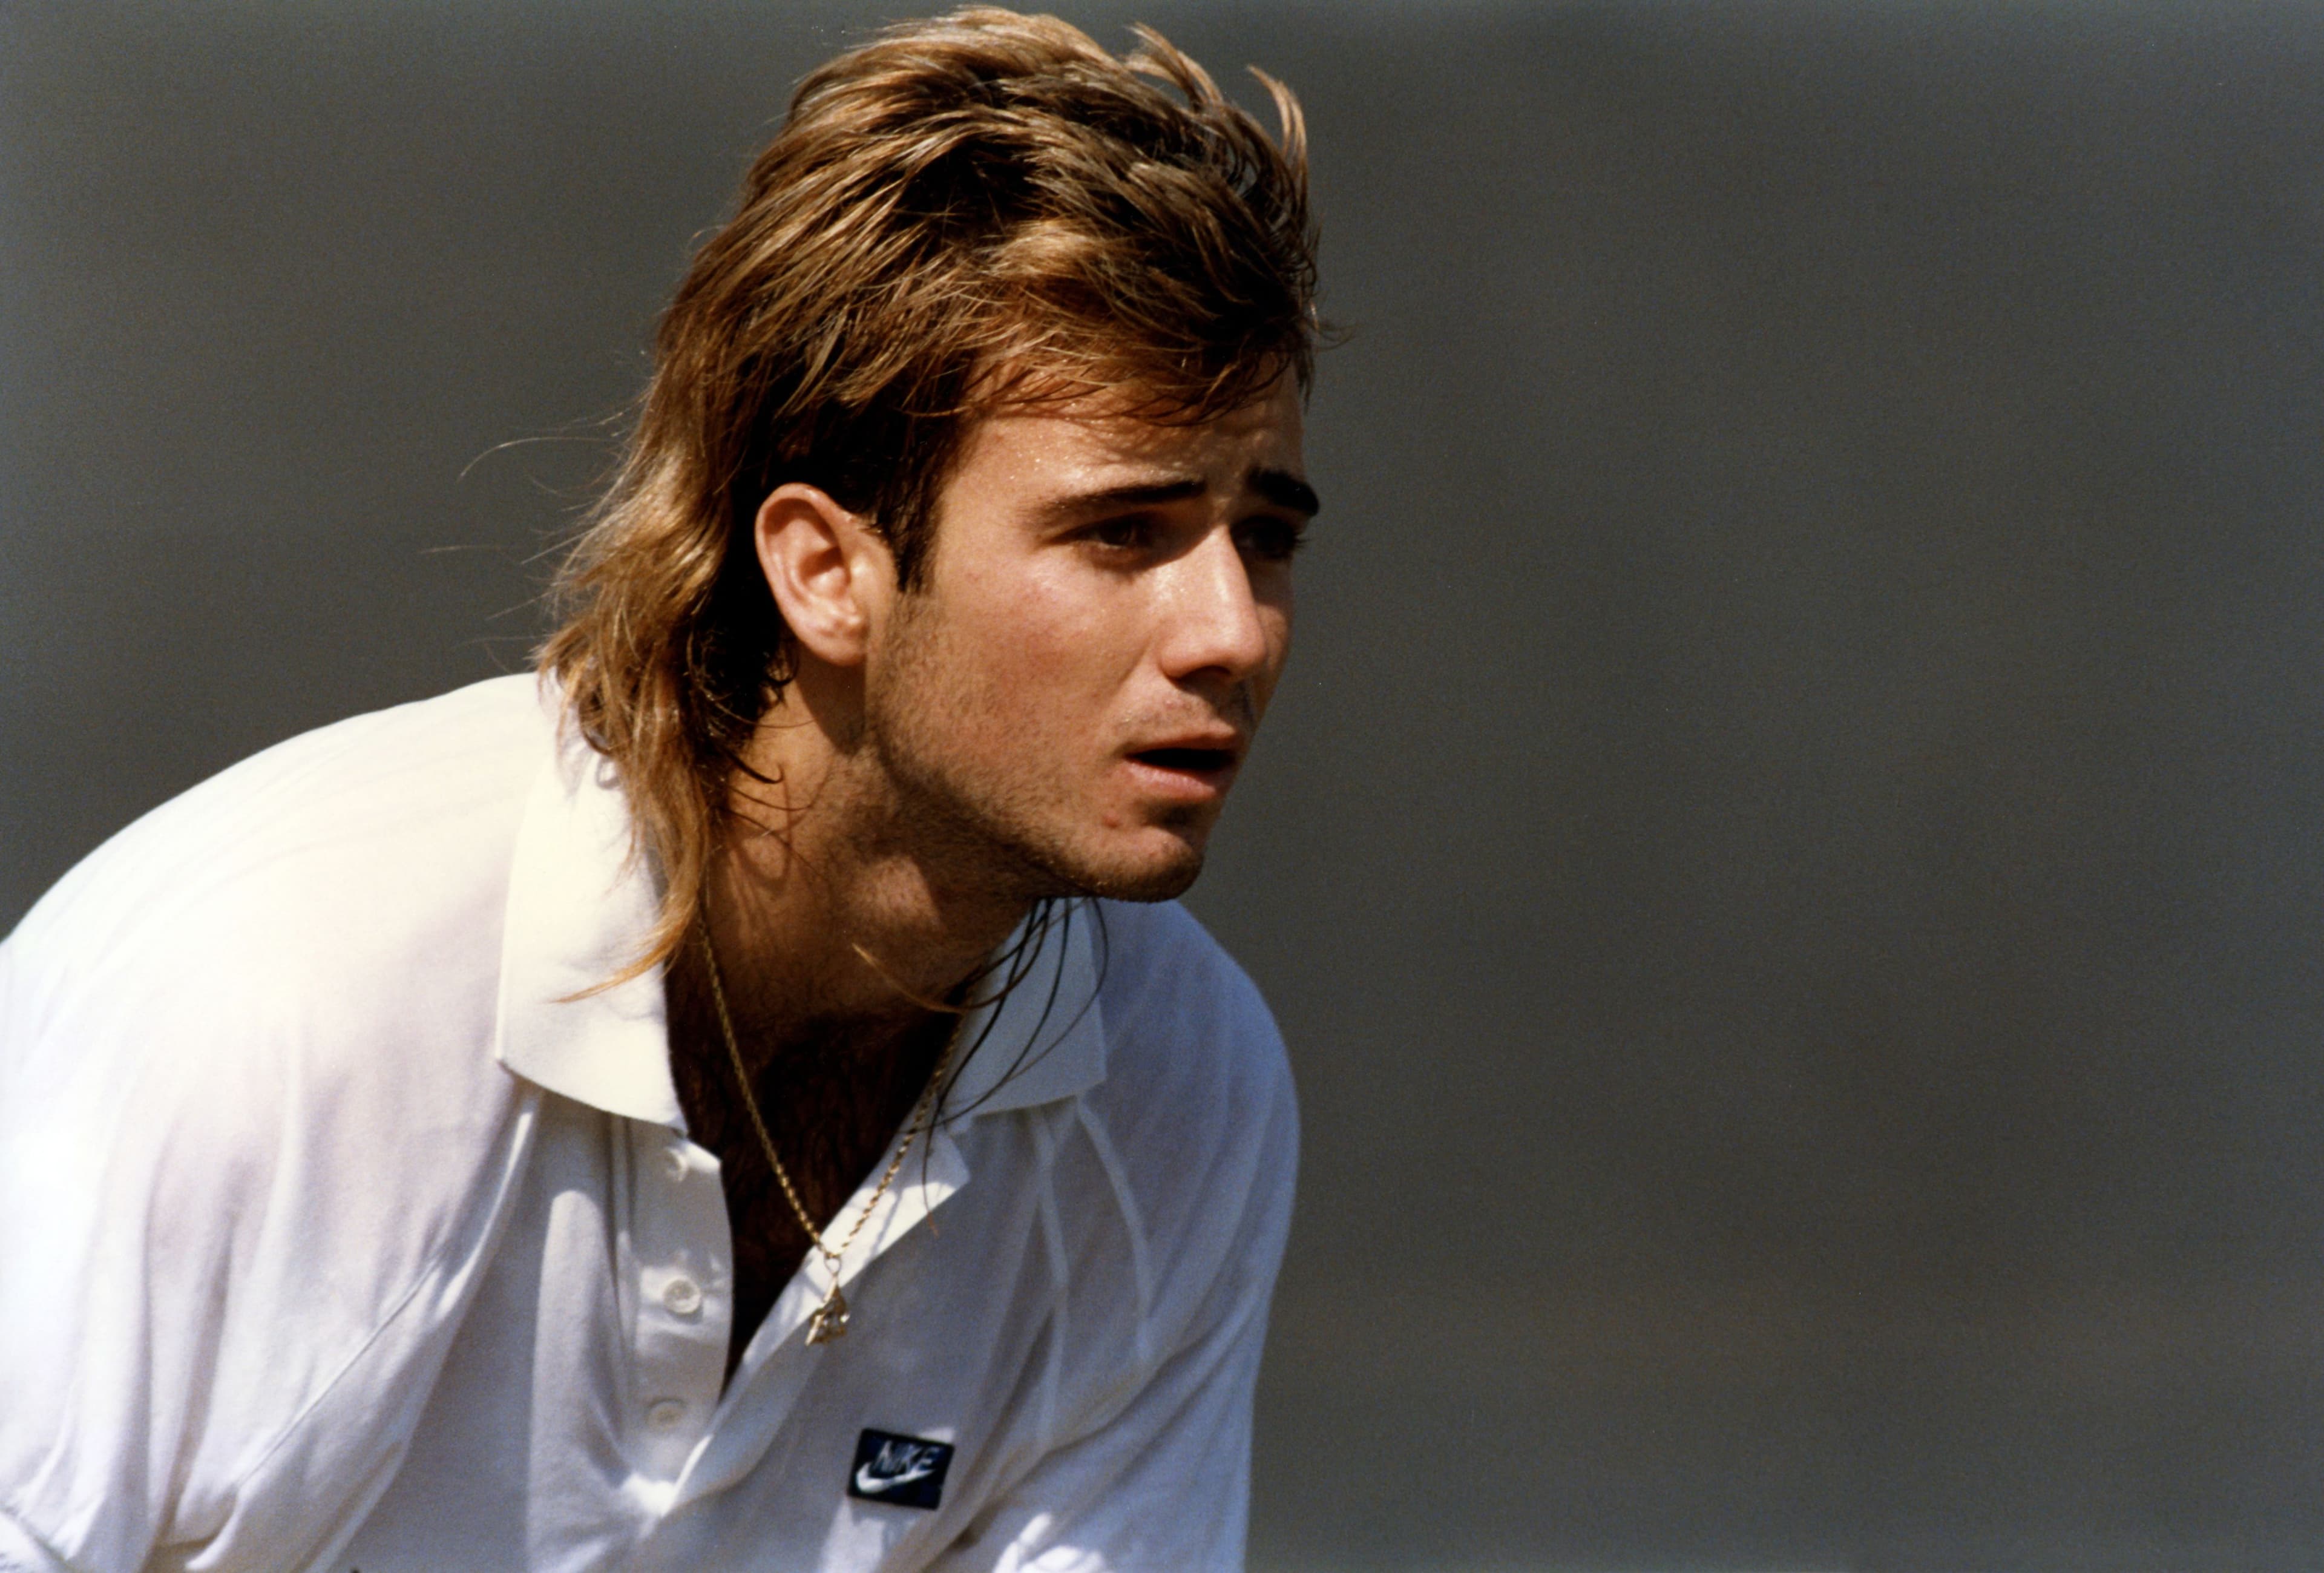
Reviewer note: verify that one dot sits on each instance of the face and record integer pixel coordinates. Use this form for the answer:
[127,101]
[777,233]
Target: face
[1067,695]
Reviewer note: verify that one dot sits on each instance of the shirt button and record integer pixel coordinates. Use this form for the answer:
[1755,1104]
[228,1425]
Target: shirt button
[673,1163]
[681,1297]
[664,1413]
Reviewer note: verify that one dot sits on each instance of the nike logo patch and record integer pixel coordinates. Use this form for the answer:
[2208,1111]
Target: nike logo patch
[902,1471]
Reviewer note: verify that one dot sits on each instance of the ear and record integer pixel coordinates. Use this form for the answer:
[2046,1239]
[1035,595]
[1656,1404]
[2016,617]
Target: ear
[832,577]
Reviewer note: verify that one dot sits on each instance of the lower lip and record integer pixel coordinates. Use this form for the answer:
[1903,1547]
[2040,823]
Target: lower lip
[1193,786]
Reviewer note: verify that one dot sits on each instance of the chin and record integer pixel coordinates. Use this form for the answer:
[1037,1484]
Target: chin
[1159,875]
[1152,884]
[984,841]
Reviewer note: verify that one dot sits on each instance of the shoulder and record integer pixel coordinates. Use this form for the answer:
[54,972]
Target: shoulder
[306,857]
[312,934]
[1197,1098]
[231,1013]
[1180,1013]
[337,785]
[246,1065]
[322,916]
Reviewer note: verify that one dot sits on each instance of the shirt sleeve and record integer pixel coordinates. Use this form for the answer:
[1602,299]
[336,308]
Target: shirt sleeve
[221,1306]
[189,1366]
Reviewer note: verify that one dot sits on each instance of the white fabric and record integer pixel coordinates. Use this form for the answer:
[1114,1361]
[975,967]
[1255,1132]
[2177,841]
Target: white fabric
[336,1233]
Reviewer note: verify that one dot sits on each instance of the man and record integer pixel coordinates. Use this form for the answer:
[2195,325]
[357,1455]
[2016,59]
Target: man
[741,1101]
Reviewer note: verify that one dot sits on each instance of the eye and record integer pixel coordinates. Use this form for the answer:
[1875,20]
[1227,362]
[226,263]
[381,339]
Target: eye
[1128,532]
[1270,538]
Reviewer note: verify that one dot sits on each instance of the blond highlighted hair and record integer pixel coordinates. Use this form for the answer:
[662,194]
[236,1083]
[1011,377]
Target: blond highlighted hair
[981,208]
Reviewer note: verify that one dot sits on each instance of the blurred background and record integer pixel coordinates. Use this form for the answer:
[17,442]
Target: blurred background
[1788,855]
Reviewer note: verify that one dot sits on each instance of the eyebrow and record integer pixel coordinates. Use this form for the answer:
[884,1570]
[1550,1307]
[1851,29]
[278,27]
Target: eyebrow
[1286,490]
[1278,486]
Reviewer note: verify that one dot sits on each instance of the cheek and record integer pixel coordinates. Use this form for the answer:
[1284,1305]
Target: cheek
[1047,648]
[1276,616]
[1001,687]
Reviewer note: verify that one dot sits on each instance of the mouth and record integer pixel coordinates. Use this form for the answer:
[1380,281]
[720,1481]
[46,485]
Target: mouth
[1188,771]
[1189,761]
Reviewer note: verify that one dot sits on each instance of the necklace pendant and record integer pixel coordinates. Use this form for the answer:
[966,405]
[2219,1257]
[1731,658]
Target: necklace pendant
[829,1321]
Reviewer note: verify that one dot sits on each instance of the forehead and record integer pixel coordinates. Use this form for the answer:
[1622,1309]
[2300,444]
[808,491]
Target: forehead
[1041,450]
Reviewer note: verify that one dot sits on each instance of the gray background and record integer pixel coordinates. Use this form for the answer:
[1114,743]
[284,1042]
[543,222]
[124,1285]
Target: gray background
[1787,858]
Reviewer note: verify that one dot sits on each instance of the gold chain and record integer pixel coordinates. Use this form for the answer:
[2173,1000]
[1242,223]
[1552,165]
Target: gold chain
[829,1319]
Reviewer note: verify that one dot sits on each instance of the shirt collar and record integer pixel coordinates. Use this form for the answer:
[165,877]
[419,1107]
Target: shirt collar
[581,906]
[1044,1038]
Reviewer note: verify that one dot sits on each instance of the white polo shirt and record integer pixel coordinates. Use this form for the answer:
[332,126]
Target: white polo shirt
[336,1234]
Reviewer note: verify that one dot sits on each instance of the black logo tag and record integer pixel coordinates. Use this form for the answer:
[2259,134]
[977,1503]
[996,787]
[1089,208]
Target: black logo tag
[908,1471]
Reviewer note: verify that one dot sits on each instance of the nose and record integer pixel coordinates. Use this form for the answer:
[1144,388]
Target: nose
[1216,630]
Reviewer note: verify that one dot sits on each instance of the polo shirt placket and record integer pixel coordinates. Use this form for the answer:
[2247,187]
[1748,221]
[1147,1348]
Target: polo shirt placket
[680,1268]
[733,1433]
[607,1048]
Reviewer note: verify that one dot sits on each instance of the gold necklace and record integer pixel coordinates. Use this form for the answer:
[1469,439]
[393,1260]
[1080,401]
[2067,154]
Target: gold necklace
[829,1319]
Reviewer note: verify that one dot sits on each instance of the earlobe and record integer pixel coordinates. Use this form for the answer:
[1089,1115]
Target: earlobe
[828,571]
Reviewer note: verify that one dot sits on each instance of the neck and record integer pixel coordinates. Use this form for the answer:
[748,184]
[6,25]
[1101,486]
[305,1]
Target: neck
[825,917]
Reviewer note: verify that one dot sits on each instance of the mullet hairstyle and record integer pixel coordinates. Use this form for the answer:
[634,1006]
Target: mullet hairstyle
[981,210]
